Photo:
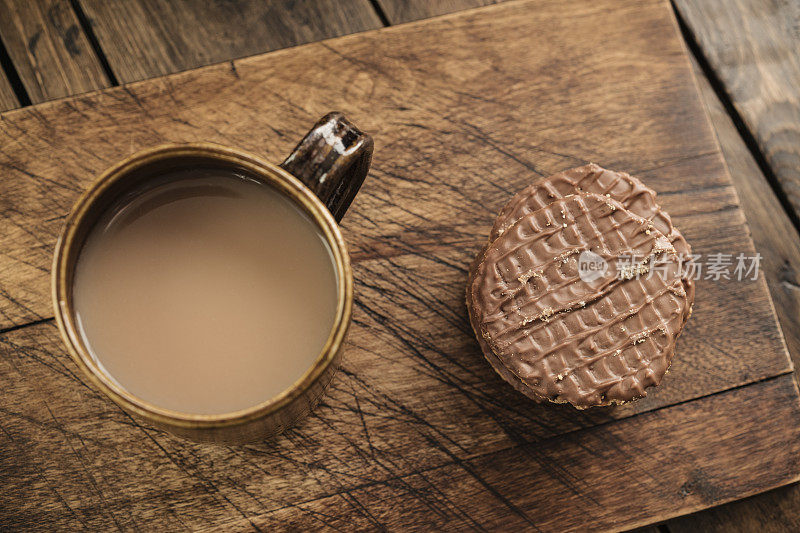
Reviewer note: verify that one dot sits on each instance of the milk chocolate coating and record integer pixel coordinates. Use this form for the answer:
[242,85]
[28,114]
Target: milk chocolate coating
[629,191]
[556,337]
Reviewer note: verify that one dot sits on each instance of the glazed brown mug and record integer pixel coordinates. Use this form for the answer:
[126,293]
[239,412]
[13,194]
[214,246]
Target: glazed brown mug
[321,176]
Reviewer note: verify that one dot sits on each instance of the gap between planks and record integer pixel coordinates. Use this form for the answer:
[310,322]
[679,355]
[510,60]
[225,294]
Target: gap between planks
[741,127]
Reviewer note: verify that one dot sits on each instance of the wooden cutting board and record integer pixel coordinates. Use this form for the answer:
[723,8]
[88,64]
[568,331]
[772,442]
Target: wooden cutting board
[416,429]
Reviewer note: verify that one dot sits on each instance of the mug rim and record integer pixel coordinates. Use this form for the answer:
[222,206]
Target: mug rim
[68,248]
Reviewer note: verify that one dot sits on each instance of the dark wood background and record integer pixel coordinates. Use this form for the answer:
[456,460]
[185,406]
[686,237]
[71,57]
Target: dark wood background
[746,60]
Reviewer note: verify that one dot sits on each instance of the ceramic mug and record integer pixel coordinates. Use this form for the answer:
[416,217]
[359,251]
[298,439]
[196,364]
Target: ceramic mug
[321,176]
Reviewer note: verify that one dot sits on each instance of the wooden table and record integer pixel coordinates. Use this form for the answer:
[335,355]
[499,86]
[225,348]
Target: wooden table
[746,62]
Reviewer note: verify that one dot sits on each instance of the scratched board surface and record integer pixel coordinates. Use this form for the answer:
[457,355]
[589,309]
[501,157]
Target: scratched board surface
[416,429]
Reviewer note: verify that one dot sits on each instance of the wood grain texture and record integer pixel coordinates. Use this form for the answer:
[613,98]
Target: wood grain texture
[752,46]
[8,99]
[463,115]
[147,38]
[773,233]
[429,440]
[772,512]
[49,49]
[398,11]
[776,239]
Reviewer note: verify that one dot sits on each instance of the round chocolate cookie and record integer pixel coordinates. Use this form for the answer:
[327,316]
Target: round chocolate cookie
[562,333]
[634,195]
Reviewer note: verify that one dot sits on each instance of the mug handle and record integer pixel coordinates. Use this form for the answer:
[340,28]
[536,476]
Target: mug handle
[332,160]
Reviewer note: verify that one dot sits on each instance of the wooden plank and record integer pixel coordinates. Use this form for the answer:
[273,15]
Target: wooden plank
[398,11]
[415,392]
[49,49]
[773,233]
[752,47]
[395,453]
[147,38]
[772,512]
[8,99]
[505,490]
[777,240]
[693,452]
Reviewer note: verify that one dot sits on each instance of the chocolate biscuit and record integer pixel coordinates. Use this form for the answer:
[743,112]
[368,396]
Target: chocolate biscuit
[626,189]
[557,337]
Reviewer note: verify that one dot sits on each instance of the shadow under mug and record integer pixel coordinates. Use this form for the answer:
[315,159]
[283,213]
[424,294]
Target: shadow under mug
[321,176]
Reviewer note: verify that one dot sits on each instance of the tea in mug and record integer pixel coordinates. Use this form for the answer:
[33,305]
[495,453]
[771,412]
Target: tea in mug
[205,292]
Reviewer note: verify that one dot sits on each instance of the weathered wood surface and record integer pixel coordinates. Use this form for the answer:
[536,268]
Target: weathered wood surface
[463,115]
[771,512]
[770,227]
[147,38]
[753,47]
[398,11]
[776,239]
[774,235]
[440,444]
[49,49]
